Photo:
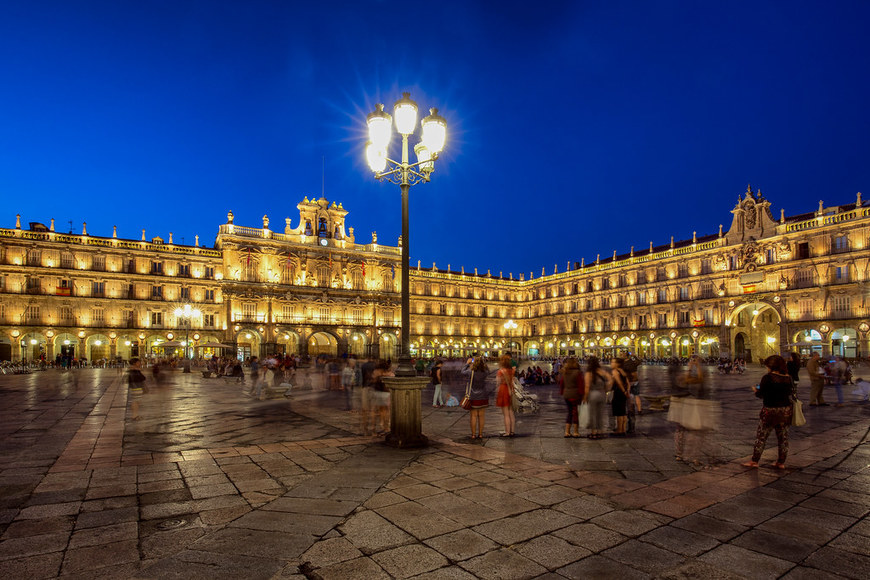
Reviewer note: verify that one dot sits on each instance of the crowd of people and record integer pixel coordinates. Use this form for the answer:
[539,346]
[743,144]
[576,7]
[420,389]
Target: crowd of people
[602,399]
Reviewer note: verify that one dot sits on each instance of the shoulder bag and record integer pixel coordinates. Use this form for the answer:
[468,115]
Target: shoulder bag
[797,409]
[465,403]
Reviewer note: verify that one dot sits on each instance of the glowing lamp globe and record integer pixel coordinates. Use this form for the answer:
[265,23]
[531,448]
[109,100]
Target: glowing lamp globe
[405,114]
[380,127]
[376,157]
[434,131]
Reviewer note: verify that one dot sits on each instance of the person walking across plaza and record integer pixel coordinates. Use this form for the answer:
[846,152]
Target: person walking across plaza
[136,383]
[572,388]
[777,392]
[505,394]
[479,393]
[597,382]
[437,398]
[619,403]
[817,381]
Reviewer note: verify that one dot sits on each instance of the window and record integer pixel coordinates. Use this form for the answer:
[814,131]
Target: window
[156,319]
[805,278]
[605,325]
[388,317]
[98,289]
[709,318]
[288,273]
[641,278]
[684,293]
[357,316]
[683,318]
[803,250]
[323,313]
[770,256]
[623,323]
[31,314]
[841,274]
[641,298]
[65,314]
[130,267]
[98,316]
[184,270]
[208,320]
[806,308]
[157,268]
[185,293]
[129,318]
[841,244]
[662,320]
[99,263]
[208,295]
[663,295]
[66,261]
[34,285]
[705,267]
[682,270]
[641,321]
[157,292]
[249,311]
[33,257]
[209,272]
[842,304]
[357,280]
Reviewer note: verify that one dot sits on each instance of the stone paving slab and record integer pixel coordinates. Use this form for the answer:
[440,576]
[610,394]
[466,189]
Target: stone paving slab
[222,486]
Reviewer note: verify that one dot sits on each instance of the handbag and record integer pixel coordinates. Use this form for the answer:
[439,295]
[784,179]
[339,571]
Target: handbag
[797,414]
[465,403]
[583,416]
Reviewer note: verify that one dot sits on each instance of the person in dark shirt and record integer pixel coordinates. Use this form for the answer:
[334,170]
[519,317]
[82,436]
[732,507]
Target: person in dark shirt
[776,390]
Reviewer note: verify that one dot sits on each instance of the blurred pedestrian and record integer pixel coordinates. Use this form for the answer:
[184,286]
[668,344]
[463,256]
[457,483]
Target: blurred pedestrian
[479,393]
[437,398]
[505,394]
[136,383]
[597,382]
[817,381]
[572,388]
[619,402]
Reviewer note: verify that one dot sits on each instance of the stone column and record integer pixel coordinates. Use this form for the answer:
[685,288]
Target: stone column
[406,412]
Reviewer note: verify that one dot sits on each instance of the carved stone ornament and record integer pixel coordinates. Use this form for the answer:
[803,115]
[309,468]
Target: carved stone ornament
[750,255]
[749,213]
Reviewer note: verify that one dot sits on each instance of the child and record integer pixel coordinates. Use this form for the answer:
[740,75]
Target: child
[451,400]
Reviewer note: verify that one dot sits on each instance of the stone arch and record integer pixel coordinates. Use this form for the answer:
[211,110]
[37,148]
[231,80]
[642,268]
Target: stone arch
[388,345]
[248,343]
[322,342]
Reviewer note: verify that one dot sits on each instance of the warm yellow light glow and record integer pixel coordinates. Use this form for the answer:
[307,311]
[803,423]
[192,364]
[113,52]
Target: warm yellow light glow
[755,313]
[685,343]
[32,341]
[126,343]
[380,127]
[434,131]
[405,114]
[247,336]
[771,340]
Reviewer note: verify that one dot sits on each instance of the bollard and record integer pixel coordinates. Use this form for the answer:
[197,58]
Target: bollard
[406,412]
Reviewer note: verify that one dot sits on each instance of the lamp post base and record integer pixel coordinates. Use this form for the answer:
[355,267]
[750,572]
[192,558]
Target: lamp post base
[406,412]
[186,366]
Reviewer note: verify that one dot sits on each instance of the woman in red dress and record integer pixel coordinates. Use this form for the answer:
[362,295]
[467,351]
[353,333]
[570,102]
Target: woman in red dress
[505,396]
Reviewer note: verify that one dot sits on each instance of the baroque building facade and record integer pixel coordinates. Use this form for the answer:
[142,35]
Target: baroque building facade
[764,286]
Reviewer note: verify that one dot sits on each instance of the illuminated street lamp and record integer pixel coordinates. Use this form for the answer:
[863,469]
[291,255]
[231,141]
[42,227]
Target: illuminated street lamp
[186,313]
[405,174]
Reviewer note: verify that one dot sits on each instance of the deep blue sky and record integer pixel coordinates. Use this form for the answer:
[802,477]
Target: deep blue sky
[574,127]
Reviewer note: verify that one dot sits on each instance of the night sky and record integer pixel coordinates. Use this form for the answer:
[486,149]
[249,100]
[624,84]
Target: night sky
[575,128]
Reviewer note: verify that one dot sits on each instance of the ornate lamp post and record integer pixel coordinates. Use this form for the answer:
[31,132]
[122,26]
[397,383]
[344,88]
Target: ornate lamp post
[186,313]
[510,326]
[405,174]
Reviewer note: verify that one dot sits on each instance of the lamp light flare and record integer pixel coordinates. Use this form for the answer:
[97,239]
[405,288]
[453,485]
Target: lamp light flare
[424,158]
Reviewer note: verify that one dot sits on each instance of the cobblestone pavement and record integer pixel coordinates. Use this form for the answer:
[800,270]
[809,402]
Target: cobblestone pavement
[211,483]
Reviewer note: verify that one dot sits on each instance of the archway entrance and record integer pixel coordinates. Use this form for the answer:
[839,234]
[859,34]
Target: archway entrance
[758,322]
[844,342]
[322,343]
